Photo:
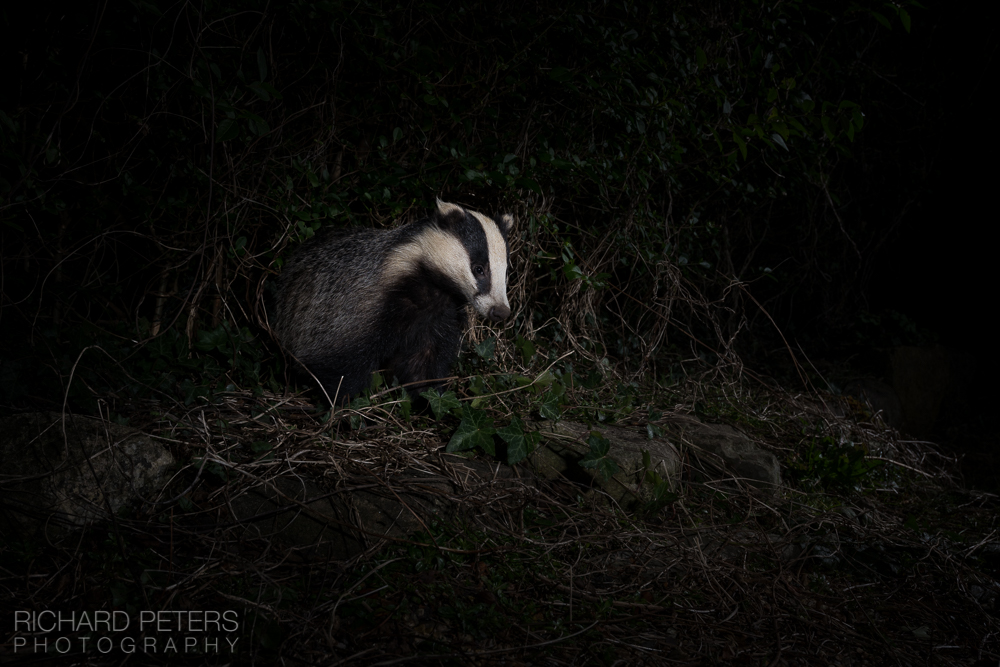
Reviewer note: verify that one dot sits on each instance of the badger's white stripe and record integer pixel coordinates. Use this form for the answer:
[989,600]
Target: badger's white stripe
[498,264]
[441,250]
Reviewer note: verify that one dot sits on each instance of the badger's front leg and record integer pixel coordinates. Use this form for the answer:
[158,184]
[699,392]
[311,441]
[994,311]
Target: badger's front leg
[428,348]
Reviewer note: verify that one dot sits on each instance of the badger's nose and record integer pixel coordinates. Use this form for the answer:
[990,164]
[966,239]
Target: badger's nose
[499,312]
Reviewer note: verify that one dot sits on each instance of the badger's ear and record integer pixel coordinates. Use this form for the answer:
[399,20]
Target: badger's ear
[445,209]
[506,223]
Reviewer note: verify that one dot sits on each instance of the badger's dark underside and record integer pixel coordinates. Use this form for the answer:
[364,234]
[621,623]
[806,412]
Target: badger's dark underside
[420,324]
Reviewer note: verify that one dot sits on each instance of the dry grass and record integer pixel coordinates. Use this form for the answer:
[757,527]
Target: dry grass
[534,572]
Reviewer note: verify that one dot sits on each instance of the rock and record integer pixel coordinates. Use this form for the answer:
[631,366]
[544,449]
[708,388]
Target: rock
[59,483]
[728,449]
[716,445]
[566,444]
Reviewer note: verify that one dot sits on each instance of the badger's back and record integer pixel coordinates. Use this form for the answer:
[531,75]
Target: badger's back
[329,302]
[330,289]
[350,303]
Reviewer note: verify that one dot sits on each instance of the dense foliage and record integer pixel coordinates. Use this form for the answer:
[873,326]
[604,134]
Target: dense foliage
[679,171]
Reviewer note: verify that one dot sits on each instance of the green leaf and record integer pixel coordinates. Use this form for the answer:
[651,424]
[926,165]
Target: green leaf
[477,385]
[260,91]
[357,422]
[598,457]
[475,430]
[599,445]
[240,245]
[519,443]
[257,124]
[549,409]
[529,184]
[397,134]
[213,339]
[527,349]
[825,120]
[778,140]
[560,74]
[883,20]
[486,348]
[260,446]
[271,90]
[228,129]
[742,144]
[700,56]
[8,122]
[262,64]
[904,16]
[544,379]
[441,404]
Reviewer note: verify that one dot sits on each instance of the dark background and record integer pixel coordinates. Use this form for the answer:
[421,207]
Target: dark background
[941,267]
[915,229]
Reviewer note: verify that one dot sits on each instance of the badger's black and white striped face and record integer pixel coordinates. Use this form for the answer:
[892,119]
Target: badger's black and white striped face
[468,248]
[479,262]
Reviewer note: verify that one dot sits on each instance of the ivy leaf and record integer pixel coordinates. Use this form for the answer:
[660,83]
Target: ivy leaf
[560,74]
[260,91]
[544,379]
[527,349]
[881,19]
[486,349]
[549,409]
[598,457]
[778,140]
[228,129]
[271,90]
[742,144]
[476,430]
[904,16]
[441,404]
[261,65]
[825,120]
[213,339]
[519,443]
[529,184]
[257,124]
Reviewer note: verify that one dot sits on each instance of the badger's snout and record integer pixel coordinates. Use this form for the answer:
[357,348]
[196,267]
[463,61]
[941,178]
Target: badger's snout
[498,312]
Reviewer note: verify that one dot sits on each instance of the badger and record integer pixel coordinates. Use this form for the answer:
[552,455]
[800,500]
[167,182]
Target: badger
[356,302]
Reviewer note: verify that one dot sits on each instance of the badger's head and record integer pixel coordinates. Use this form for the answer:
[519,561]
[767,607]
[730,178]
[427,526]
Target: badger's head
[470,250]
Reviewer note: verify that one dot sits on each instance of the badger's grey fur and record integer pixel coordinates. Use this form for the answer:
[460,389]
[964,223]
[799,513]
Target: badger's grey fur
[355,302]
